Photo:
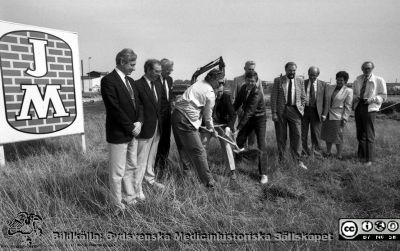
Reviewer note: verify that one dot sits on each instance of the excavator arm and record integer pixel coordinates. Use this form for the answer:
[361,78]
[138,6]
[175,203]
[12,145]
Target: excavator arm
[218,62]
[178,89]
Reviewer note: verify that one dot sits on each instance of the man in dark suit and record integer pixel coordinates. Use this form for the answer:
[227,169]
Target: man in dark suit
[124,119]
[315,91]
[287,107]
[150,92]
[253,118]
[167,66]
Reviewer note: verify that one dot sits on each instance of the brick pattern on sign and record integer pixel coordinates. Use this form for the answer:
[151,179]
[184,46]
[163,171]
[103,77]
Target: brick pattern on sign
[16,55]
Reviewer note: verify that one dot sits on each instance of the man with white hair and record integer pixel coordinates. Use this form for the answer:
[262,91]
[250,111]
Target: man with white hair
[315,91]
[167,67]
[124,119]
[369,93]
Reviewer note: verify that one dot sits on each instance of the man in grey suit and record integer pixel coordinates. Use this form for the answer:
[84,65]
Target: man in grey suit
[314,102]
[287,107]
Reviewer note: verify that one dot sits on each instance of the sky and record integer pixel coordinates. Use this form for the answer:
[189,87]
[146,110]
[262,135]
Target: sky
[333,35]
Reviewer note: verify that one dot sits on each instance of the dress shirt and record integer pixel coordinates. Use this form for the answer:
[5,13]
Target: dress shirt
[197,104]
[122,76]
[165,85]
[375,90]
[308,92]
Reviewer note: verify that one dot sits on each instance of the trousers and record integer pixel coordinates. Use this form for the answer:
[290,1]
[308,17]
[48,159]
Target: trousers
[190,147]
[365,122]
[122,164]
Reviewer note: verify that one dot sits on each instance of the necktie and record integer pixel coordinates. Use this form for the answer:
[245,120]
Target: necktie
[130,90]
[153,89]
[312,94]
[364,86]
[289,98]
[165,88]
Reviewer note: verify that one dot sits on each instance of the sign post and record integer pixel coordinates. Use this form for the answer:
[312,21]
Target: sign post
[40,91]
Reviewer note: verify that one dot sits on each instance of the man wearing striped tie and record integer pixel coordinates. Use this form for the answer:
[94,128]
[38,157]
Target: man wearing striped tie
[124,119]
[369,93]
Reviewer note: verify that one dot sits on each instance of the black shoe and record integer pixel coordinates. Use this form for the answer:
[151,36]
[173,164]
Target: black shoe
[305,153]
[119,212]
[326,154]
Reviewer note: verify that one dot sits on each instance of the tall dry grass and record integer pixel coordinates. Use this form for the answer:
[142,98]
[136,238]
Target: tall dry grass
[68,189]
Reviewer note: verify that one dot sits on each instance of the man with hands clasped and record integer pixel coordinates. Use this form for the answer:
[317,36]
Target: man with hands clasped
[124,119]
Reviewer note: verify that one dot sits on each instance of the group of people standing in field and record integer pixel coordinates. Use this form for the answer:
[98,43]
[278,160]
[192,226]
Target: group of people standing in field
[141,113]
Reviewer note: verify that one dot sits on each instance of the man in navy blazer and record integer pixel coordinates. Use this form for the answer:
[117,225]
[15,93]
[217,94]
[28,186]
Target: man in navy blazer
[124,119]
[150,92]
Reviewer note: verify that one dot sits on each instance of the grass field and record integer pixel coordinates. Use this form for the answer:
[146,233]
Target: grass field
[68,189]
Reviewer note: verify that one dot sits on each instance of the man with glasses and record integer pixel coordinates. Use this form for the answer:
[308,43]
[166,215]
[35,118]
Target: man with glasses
[287,107]
[369,93]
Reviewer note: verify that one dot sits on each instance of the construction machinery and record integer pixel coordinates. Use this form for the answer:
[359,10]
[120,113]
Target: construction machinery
[179,89]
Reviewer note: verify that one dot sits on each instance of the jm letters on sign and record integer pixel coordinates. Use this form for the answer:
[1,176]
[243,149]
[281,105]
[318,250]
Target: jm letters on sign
[38,81]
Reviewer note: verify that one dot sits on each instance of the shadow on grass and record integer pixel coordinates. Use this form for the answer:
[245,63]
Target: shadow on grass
[21,150]
[273,192]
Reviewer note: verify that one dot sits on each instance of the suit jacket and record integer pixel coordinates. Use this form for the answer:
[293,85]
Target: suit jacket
[340,108]
[252,103]
[279,94]
[121,112]
[376,89]
[319,96]
[224,112]
[151,107]
[166,102]
[237,84]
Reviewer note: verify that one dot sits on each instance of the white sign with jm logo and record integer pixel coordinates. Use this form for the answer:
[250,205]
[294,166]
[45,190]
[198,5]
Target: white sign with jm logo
[39,83]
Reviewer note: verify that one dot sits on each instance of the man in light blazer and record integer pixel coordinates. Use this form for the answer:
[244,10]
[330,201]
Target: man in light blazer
[287,107]
[150,91]
[315,90]
[369,94]
[124,119]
